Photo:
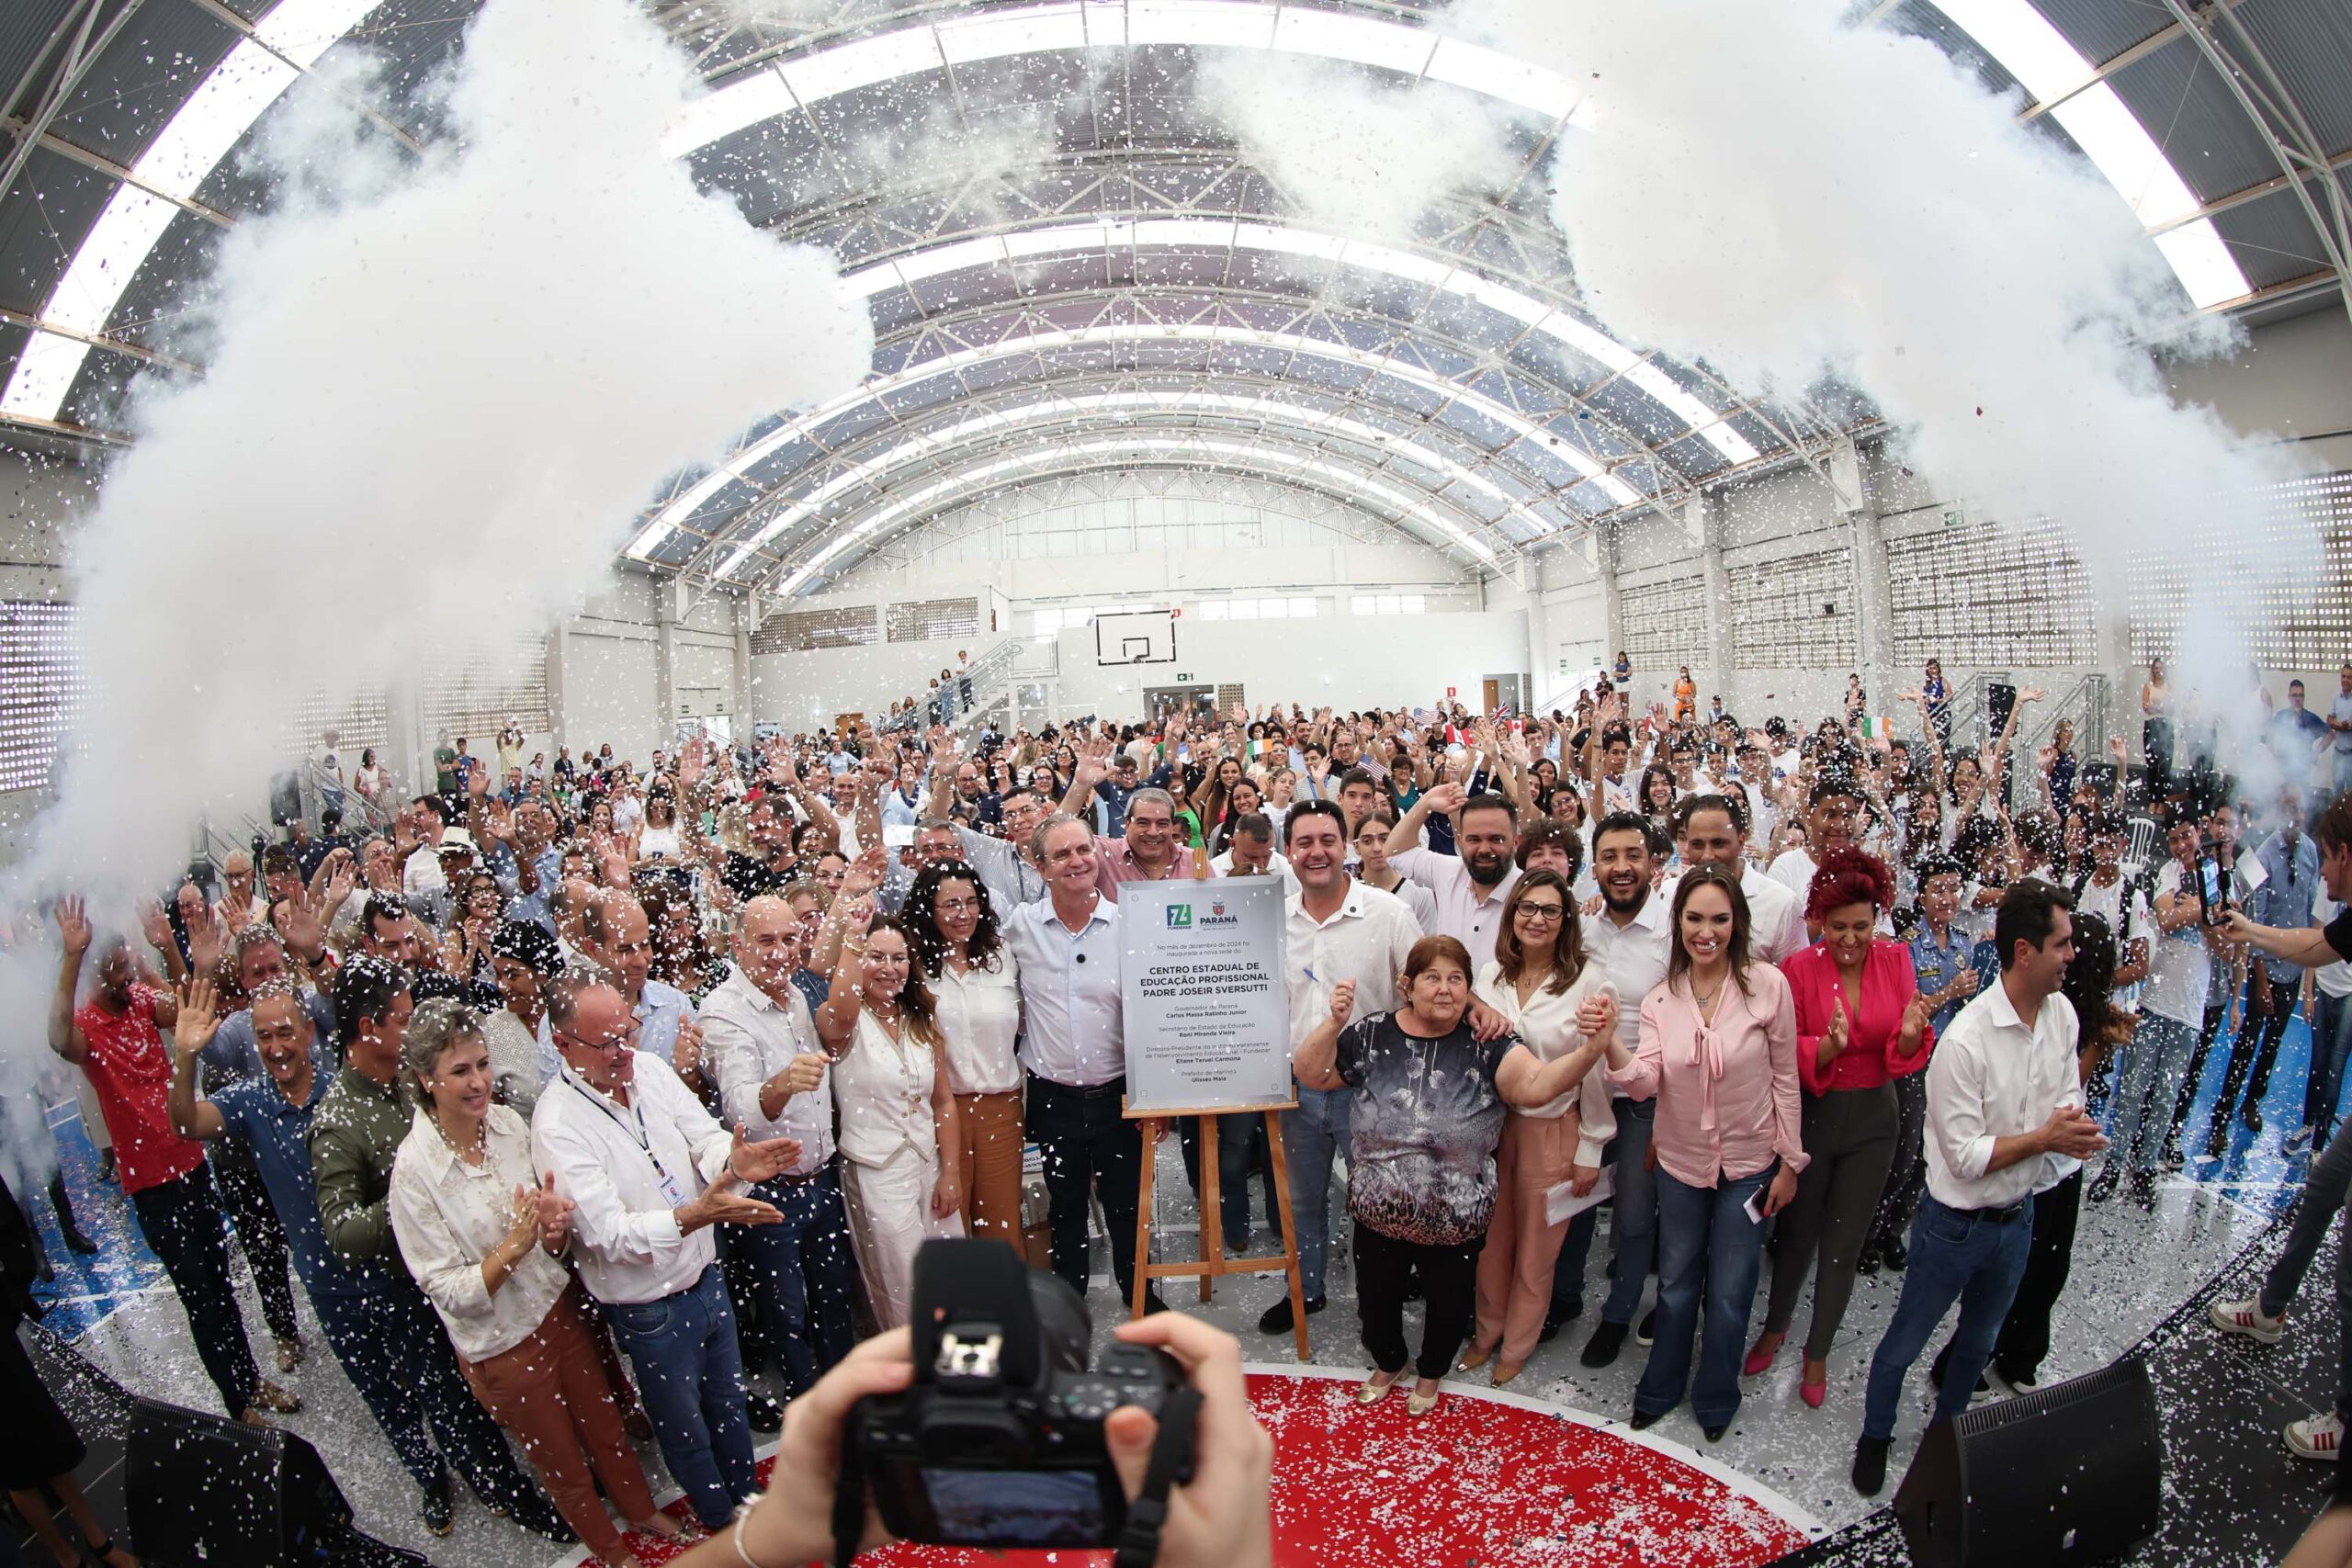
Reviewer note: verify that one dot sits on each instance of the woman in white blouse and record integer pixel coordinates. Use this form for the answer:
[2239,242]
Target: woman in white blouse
[481,1233]
[972,974]
[901,1148]
[1559,1005]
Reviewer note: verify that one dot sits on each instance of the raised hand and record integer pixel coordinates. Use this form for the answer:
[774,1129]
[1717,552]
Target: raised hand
[156,926]
[1597,1016]
[1447,797]
[303,922]
[208,939]
[685,1051]
[476,784]
[200,1017]
[73,925]
[1343,1001]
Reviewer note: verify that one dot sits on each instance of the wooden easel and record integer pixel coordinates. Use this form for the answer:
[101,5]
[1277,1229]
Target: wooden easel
[1213,1262]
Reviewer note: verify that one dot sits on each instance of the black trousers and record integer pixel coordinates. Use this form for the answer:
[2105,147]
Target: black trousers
[259,1235]
[1240,1141]
[2256,1047]
[1384,1266]
[182,1222]
[1909,1178]
[2025,1334]
[1089,1149]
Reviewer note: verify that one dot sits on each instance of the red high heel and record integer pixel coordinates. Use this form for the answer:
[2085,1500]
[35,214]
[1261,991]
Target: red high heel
[1759,1360]
[1815,1394]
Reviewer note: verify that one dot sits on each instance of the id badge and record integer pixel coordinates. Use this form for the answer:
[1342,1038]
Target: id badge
[670,1193]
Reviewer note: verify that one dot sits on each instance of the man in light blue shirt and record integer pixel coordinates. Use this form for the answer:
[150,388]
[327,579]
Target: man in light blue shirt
[2288,862]
[619,937]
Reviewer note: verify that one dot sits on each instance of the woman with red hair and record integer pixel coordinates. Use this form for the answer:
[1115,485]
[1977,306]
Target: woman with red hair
[1862,1023]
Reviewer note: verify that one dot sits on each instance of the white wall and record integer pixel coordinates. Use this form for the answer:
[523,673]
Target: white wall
[1342,661]
[2291,383]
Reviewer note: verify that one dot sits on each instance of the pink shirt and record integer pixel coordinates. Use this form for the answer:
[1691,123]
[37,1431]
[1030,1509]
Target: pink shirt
[1726,1092]
[1115,864]
[1873,1031]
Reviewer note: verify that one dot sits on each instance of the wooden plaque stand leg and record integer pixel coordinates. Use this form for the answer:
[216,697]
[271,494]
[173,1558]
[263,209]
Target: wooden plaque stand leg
[1213,1262]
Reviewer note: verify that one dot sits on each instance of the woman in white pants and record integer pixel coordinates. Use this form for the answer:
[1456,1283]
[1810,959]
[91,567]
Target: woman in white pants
[900,1143]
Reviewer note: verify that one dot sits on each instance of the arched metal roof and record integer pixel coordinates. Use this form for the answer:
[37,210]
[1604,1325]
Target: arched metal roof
[1131,291]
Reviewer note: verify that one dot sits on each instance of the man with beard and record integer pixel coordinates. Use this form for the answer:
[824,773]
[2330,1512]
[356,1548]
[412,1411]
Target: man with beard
[1711,829]
[1631,941]
[1471,886]
[1340,932]
[115,1039]
[772,862]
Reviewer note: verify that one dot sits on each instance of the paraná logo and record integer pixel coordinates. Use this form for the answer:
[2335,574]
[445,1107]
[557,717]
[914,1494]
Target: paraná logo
[1180,917]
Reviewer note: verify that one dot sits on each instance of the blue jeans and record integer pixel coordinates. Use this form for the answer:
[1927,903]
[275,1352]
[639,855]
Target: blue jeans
[1708,1249]
[690,1375]
[2325,1087]
[801,1269]
[2322,1195]
[1973,1257]
[1313,1134]
[1633,1221]
[2145,1088]
[397,1355]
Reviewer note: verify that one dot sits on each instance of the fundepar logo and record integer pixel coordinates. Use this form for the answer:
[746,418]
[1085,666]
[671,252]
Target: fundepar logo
[1180,917]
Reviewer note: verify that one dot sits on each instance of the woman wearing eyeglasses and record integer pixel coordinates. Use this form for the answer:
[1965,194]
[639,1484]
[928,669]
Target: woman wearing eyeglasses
[1555,1003]
[972,972]
[902,1144]
[1719,1054]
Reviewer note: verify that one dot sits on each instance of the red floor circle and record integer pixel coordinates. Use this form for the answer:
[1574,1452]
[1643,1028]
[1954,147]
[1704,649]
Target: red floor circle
[1484,1479]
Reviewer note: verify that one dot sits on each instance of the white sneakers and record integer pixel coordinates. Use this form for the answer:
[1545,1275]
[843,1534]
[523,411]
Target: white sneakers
[2246,1317]
[2313,1437]
[2317,1436]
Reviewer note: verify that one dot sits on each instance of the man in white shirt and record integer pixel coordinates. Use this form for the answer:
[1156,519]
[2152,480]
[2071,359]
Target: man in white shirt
[649,1173]
[1470,886]
[1833,817]
[2004,1120]
[772,1073]
[1631,940]
[1074,1047]
[1339,931]
[2172,1005]
[1711,829]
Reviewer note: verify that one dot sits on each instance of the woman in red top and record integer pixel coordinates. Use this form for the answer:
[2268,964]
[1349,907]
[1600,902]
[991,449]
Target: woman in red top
[1862,1023]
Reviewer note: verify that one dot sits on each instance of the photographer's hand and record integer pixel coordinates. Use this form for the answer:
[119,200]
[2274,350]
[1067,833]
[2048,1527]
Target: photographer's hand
[1222,1517]
[792,1522]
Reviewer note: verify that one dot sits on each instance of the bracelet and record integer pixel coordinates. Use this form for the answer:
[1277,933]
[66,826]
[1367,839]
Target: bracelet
[743,1517]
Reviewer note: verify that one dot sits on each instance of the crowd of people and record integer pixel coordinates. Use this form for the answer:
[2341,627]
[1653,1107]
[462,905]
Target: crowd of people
[571,1093]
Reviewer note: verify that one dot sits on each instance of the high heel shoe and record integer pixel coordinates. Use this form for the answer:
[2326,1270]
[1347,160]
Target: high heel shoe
[1815,1394]
[1475,1357]
[1760,1360]
[1503,1374]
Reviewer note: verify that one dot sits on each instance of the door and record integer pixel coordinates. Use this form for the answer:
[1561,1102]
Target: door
[1492,694]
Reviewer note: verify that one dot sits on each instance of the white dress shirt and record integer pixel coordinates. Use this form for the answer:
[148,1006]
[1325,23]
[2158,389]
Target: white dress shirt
[1775,915]
[1547,1025]
[1461,913]
[748,1038]
[1275,866]
[1793,870]
[1416,898]
[979,1014]
[1993,1077]
[1011,881]
[1072,1028]
[449,1216]
[1367,941]
[1633,957]
[603,1156]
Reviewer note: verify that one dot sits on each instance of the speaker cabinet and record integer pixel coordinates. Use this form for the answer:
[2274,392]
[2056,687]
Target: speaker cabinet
[2071,1473]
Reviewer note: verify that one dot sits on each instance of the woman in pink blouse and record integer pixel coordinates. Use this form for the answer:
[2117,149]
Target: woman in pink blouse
[1719,1051]
[1862,1023]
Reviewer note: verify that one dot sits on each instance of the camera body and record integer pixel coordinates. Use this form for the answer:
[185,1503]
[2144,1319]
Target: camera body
[998,1442]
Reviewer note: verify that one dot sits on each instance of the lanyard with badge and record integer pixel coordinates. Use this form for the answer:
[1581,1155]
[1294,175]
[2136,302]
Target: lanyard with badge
[671,1193]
